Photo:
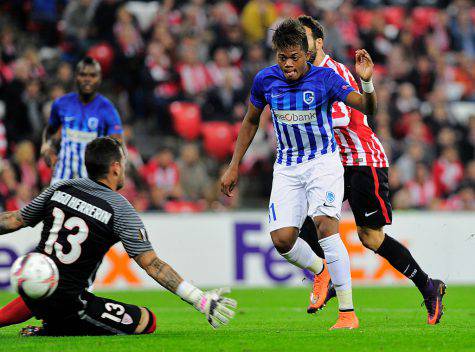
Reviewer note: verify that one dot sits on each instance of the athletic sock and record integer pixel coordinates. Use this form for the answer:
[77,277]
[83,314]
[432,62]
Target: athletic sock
[338,263]
[14,312]
[302,256]
[401,259]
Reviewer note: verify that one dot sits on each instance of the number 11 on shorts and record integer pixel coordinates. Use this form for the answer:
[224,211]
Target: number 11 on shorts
[272,213]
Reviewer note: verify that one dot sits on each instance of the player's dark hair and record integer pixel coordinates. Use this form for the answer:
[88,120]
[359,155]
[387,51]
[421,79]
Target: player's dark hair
[288,34]
[100,154]
[88,61]
[314,25]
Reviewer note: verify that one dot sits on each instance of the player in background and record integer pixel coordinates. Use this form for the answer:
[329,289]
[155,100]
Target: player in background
[82,219]
[75,120]
[366,188]
[308,175]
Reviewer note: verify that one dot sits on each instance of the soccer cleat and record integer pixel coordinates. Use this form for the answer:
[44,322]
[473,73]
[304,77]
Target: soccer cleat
[433,302]
[31,330]
[346,320]
[322,290]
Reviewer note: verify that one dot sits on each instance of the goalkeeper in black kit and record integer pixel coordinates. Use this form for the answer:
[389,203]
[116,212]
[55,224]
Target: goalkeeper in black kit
[101,218]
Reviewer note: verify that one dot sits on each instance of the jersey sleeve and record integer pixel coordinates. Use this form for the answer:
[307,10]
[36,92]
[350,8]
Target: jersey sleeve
[257,96]
[34,212]
[54,117]
[112,118]
[130,229]
[337,88]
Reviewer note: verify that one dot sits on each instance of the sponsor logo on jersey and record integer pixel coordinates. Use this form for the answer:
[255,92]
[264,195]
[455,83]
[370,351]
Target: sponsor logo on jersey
[80,136]
[92,123]
[308,97]
[292,117]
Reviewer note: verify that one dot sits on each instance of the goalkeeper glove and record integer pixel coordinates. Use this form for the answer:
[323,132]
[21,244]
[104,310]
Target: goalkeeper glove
[217,309]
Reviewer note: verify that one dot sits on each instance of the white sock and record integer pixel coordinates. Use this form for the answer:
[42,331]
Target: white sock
[338,263]
[302,256]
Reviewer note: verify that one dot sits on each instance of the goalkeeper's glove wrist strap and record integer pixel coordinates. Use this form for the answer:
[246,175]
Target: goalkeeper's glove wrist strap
[188,292]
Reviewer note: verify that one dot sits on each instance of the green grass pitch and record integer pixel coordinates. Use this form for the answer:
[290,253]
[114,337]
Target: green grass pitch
[391,319]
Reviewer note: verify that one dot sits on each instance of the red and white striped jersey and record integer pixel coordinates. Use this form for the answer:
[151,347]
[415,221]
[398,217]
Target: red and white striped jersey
[358,144]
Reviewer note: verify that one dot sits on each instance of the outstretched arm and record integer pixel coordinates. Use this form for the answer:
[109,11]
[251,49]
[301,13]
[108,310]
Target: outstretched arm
[158,270]
[11,221]
[246,134]
[366,102]
[212,304]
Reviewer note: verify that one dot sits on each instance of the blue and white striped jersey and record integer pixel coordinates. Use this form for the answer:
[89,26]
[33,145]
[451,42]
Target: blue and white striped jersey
[301,110]
[80,125]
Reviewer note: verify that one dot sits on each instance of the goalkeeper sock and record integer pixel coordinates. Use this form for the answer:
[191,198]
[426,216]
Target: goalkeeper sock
[301,255]
[401,259]
[14,312]
[338,263]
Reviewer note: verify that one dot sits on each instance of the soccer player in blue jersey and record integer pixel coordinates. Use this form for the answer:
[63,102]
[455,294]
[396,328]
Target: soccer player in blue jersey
[75,120]
[308,174]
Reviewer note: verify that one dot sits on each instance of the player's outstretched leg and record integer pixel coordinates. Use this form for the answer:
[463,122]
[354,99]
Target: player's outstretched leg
[14,312]
[322,290]
[338,262]
[297,252]
[401,259]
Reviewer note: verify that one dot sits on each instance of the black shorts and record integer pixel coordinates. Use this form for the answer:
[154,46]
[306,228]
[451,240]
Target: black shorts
[367,191]
[85,315]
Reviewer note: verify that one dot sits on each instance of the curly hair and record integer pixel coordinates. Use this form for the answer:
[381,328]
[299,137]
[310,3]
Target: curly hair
[288,34]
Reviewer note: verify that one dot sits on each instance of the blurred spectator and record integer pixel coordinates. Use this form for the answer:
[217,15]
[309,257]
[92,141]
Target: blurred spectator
[448,172]
[406,164]
[163,178]
[257,16]
[422,188]
[77,18]
[194,178]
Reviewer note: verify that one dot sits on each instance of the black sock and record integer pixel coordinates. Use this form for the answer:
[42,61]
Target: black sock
[401,259]
[308,232]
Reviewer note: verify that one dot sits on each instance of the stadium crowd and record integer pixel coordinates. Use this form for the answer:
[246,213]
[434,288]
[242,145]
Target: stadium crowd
[179,73]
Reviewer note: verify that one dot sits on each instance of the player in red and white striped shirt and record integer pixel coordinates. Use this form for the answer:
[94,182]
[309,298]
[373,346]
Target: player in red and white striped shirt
[366,188]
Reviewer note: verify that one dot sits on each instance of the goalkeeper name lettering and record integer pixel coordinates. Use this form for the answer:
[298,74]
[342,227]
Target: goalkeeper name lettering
[82,206]
[292,117]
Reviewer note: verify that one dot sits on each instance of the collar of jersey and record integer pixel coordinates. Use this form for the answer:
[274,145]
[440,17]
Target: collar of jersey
[325,59]
[100,183]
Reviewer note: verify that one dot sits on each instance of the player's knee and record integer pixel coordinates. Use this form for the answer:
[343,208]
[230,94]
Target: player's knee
[283,241]
[148,322]
[326,226]
[370,238]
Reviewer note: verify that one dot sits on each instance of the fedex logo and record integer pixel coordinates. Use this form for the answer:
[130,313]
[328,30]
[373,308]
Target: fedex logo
[276,268]
[254,256]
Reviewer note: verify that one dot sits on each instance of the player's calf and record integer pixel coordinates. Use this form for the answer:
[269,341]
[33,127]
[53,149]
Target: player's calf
[148,322]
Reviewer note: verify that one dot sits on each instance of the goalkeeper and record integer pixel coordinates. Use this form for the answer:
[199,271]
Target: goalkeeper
[82,219]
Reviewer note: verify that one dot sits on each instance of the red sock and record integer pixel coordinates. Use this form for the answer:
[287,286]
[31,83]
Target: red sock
[14,312]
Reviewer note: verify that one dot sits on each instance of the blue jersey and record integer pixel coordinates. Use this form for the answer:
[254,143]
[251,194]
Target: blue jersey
[301,110]
[80,125]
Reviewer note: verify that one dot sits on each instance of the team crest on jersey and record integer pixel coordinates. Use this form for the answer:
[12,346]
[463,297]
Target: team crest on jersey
[92,123]
[330,197]
[308,97]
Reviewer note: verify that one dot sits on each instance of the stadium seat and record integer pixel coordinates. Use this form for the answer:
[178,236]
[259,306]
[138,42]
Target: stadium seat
[217,139]
[394,15]
[104,54]
[186,119]
[363,18]
[423,17]
[176,206]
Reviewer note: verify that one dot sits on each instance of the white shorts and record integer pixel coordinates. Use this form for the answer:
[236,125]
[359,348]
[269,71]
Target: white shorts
[313,188]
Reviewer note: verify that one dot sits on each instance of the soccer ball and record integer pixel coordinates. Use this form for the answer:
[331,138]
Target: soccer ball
[34,275]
